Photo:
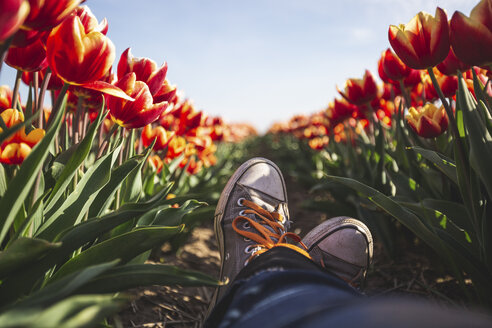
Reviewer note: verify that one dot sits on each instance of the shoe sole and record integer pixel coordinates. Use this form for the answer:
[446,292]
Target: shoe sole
[221,205]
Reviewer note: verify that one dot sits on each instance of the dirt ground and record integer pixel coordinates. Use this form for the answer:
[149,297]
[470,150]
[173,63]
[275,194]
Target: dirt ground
[413,272]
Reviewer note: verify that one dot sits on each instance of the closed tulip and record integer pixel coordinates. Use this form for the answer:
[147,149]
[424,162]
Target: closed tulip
[423,42]
[76,56]
[162,137]
[428,121]
[12,15]
[360,91]
[393,67]
[138,113]
[28,59]
[471,37]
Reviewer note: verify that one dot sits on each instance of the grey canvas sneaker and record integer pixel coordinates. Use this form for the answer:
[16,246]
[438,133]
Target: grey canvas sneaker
[342,245]
[251,213]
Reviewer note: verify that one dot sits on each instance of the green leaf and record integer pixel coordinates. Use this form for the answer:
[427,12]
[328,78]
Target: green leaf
[63,288]
[76,311]
[441,162]
[22,252]
[3,181]
[124,247]
[79,201]
[174,216]
[105,197]
[138,275]
[79,153]
[23,181]
[7,132]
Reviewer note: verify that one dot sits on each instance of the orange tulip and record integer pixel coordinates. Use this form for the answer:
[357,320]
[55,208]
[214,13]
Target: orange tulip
[471,37]
[423,42]
[428,121]
[138,113]
[5,97]
[360,91]
[79,57]
[176,147]
[12,15]
[156,163]
[18,146]
[162,137]
[28,59]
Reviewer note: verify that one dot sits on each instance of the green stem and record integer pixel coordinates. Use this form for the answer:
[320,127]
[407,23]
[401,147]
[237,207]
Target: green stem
[15,93]
[35,85]
[106,140]
[40,103]
[58,103]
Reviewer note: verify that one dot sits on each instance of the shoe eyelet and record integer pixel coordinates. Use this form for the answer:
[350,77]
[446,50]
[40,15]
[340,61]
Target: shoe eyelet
[246,239]
[240,201]
[246,225]
[241,213]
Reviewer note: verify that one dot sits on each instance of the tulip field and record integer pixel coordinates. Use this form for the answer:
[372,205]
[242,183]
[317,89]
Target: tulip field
[103,190]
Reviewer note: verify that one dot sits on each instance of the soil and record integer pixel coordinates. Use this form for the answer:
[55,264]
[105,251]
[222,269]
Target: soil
[413,272]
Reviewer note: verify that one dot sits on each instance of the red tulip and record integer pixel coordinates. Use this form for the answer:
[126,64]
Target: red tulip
[89,21]
[46,14]
[451,65]
[145,70]
[167,92]
[423,42]
[138,113]
[359,92]
[12,15]
[393,67]
[428,121]
[76,56]
[471,37]
[5,97]
[162,137]
[28,59]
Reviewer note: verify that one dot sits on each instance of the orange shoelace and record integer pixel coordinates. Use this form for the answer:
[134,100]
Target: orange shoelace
[264,237]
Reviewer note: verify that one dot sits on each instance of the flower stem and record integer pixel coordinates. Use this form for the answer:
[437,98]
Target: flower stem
[42,92]
[58,103]
[35,85]
[15,93]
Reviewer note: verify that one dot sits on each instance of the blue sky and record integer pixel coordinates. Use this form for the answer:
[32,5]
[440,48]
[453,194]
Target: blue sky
[258,61]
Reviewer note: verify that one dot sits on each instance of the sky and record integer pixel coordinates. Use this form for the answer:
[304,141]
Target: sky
[258,61]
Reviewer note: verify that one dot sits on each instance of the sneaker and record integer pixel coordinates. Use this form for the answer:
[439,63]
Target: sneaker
[343,246]
[251,217]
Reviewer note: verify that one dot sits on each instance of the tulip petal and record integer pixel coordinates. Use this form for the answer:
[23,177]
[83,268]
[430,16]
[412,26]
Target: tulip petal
[108,89]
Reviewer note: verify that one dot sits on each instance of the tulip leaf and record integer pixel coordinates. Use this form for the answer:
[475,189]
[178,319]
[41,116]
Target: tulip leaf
[76,205]
[124,247]
[478,87]
[7,132]
[78,156]
[139,275]
[441,162]
[74,311]
[21,184]
[3,181]
[480,155]
[105,197]
[22,252]
[174,216]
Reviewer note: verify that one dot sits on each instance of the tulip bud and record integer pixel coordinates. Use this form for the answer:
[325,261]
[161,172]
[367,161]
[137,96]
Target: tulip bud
[471,37]
[428,121]
[423,42]
[360,91]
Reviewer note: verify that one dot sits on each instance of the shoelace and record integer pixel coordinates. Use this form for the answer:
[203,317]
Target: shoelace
[264,237]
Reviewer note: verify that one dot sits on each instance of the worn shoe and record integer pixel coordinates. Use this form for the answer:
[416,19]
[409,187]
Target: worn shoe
[251,217]
[342,245]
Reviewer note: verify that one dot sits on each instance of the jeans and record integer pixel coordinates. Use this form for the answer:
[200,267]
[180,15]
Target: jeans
[282,288]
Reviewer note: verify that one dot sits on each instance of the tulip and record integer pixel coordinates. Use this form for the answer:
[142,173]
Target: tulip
[167,92]
[318,143]
[18,146]
[428,121]
[28,59]
[138,113]
[5,97]
[12,15]
[145,70]
[359,92]
[176,147]
[89,21]
[393,67]
[162,137]
[423,42]
[156,163]
[78,57]
[471,37]
[451,65]
[46,14]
